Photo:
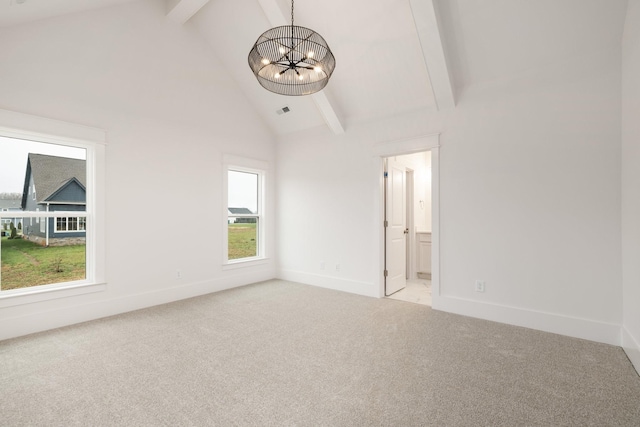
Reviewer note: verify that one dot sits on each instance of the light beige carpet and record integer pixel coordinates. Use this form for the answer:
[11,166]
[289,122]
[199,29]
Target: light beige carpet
[284,354]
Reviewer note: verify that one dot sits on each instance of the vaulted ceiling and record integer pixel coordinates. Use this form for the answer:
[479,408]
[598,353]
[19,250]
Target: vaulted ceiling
[393,56]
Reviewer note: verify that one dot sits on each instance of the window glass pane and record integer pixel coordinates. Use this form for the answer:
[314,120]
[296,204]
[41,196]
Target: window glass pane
[242,201]
[47,250]
[243,238]
[243,193]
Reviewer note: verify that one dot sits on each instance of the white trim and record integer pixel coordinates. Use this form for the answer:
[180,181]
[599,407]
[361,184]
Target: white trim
[244,162]
[407,146]
[435,224]
[48,292]
[44,214]
[396,148]
[631,347]
[25,126]
[83,311]
[245,262]
[329,282]
[608,333]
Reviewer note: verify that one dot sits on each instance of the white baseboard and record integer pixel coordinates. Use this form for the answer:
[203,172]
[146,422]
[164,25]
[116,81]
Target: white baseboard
[329,282]
[69,315]
[631,346]
[591,330]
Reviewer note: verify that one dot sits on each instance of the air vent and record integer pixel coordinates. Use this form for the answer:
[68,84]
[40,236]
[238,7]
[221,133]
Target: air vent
[283,110]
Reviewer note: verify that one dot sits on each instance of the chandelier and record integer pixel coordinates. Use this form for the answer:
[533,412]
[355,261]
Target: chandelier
[292,60]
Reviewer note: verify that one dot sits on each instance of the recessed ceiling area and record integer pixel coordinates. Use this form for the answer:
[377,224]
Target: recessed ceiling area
[394,57]
[381,68]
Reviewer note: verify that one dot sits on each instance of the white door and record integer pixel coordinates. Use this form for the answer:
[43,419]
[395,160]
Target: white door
[395,227]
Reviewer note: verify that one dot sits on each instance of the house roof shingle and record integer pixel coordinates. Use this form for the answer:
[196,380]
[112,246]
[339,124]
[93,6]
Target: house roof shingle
[50,173]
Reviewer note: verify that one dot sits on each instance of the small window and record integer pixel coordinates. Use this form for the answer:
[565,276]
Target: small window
[70,224]
[244,217]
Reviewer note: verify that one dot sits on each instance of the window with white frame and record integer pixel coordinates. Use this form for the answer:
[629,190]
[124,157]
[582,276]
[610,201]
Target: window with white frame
[70,224]
[244,228]
[69,262]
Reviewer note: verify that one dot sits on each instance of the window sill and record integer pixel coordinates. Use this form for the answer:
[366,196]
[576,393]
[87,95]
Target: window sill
[46,293]
[243,263]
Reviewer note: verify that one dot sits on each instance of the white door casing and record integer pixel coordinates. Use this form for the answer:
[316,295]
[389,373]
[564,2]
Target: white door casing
[396,227]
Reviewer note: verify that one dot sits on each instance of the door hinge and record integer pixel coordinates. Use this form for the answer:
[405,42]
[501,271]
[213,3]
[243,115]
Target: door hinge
[386,174]
[386,273]
[386,223]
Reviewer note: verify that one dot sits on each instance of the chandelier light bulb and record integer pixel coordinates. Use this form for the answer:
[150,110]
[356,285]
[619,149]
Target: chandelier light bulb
[277,76]
[310,54]
[300,77]
[281,49]
[317,69]
[265,61]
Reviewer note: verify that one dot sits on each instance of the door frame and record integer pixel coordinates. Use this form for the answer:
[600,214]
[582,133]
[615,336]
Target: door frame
[397,148]
[411,237]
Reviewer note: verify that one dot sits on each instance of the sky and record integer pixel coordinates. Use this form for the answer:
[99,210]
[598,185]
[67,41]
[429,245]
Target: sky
[243,190]
[13,160]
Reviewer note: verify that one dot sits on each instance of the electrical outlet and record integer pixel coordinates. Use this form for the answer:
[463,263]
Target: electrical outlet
[480,285]
[337,267]
[178,274]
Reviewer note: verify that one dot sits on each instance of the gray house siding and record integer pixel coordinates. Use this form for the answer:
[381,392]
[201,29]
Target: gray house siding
[54,184]
[12,207]
[72,192]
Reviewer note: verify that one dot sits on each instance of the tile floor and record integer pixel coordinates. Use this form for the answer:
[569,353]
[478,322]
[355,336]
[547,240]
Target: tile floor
[417,291]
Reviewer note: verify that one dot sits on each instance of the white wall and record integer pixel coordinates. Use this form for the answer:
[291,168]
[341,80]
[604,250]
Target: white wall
[420,164]
[530,199]
[631,182]
[170,112]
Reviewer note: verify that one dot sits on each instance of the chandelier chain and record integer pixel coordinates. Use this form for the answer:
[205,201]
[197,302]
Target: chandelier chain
[292,13]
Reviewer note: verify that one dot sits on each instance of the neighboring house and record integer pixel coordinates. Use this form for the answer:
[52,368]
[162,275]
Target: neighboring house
[240,211]
[54,184]
[9,203]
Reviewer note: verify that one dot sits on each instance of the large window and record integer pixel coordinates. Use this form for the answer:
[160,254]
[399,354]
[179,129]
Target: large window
[244,227]
[52,233]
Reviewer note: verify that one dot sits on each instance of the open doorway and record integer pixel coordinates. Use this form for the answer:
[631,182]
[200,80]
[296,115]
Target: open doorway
[408,227]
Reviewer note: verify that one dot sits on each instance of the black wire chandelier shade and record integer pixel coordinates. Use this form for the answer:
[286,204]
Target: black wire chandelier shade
[292,60]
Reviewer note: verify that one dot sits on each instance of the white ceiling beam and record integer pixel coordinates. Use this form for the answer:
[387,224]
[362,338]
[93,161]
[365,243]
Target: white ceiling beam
[426,21]
[276,18]
[180,11]
[328,112]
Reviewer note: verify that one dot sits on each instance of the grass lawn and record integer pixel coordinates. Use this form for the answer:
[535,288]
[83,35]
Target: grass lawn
[25,264]
[243,241]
